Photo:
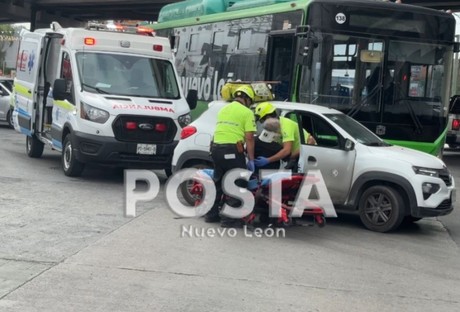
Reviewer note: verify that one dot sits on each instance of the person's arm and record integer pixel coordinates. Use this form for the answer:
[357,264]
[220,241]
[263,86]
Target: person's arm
[249,138]
[311,140]
[285,151]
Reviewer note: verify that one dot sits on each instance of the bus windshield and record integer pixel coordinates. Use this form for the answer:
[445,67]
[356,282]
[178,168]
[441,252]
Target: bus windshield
[127,75]
[380,81]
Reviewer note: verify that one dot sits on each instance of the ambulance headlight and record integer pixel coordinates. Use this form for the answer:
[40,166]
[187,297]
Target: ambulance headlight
[94,114]
[184,120]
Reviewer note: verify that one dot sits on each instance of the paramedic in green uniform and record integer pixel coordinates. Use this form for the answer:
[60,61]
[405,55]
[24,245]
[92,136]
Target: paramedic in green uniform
[290,136]
[235,127]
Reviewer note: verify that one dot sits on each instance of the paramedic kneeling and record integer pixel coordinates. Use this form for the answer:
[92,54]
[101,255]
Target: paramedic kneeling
[235,126]
[290,137]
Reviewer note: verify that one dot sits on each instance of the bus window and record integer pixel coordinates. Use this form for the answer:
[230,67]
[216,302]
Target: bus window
[218,40]
[194,43]
[280,55]
[245,39]
[344,78]
[417,81]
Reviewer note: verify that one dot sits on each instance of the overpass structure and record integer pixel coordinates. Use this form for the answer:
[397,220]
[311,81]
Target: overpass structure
[75,12]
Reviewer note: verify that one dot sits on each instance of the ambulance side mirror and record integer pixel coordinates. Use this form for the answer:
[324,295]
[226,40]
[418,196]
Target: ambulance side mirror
[60,90]
[192,98]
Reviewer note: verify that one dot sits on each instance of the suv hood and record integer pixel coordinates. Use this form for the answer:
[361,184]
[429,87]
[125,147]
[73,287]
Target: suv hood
[411,156]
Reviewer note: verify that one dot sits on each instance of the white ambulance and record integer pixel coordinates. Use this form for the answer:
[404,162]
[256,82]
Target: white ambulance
[99,97]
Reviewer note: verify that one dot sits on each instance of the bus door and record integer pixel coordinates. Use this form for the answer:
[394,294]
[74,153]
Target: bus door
[280,62]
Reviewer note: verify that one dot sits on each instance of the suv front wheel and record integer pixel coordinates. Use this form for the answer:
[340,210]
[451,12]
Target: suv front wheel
[381,208]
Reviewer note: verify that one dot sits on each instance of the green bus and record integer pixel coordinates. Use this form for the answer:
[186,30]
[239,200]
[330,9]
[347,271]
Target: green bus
[385,64]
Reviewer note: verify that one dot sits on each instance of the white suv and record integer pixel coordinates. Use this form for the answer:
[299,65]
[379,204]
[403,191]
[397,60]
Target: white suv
[385,184]
[6,111]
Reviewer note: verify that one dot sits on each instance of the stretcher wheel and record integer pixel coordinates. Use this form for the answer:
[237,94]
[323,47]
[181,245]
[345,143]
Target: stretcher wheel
[320,220]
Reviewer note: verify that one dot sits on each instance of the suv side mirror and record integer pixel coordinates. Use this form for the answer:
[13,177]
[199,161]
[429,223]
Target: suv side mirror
[192,98]
[454,105]
[349,145]
[60,90]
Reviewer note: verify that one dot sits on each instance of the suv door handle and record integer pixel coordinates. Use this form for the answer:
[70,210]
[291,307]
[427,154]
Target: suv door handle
[311,159]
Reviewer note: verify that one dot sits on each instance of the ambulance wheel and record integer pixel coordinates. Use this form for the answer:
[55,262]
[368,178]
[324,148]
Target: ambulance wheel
[34,147]
[71,166]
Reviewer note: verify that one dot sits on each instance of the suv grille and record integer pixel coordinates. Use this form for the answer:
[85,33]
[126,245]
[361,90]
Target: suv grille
[144,129]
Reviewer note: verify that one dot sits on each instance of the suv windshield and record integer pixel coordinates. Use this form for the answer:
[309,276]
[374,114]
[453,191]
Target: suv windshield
[356,130]
[127,75]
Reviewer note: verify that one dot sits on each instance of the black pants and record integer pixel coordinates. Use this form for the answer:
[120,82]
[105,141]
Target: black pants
[266,150]
[225,158]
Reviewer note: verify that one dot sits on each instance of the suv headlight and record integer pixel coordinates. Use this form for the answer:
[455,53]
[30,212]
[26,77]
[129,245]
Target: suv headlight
[184,120]
[426,171]
[94,114]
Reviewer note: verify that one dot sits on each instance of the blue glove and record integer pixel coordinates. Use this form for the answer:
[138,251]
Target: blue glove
[261,161]
[250,166]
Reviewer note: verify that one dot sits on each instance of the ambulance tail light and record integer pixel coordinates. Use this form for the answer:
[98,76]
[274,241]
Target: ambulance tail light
[90,41]
[157,48]
[456,124]
[187,131]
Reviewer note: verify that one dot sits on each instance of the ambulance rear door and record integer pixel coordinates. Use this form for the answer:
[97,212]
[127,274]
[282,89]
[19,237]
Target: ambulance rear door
[27,80]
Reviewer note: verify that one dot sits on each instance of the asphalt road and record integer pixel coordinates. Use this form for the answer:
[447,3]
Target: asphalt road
[65,245]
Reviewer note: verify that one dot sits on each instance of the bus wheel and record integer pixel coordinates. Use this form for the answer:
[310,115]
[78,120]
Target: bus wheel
[34,147]
[71,166]
[381,208]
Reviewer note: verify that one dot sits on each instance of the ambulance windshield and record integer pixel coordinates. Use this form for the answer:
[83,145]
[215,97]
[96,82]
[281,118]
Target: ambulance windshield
[127,75]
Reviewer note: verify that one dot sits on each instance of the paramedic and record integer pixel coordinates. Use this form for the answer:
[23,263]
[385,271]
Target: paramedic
[290,136]
[235,127]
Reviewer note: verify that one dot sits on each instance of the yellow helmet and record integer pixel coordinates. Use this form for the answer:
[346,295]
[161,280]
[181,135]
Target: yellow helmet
[246,89]
[263,109]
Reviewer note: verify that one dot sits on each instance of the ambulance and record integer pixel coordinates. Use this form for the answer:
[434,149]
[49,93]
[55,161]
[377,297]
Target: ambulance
[99,97]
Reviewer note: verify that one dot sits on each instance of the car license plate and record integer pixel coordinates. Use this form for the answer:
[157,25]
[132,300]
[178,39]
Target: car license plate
[453,196]
[146,149]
